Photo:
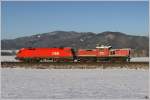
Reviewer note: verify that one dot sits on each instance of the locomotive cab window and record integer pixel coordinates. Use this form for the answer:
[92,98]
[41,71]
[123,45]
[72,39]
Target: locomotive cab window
[31,48]
[19,51]
[89,50]
[101,49]
[112,52]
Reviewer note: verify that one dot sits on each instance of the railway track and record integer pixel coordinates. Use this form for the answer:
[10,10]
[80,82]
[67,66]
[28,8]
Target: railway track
[70,65]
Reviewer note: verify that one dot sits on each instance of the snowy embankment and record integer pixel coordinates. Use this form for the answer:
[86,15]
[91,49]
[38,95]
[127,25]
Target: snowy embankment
[74,83]
[8,58]
[135,59]
[140,59]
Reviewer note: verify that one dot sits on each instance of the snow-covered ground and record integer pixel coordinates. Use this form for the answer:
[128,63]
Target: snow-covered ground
[12,58]
[8,58]
[74,83]
[143,59]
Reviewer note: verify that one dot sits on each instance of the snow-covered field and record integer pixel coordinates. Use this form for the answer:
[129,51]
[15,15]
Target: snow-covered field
[74,83]
[142,59]
[8,58]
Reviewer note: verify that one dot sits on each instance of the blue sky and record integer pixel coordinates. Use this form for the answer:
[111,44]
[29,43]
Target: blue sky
[25,18]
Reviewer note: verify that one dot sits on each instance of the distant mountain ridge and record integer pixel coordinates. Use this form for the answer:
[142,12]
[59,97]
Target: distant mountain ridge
[88,40]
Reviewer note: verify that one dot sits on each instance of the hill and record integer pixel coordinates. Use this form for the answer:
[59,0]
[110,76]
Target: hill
[140,44]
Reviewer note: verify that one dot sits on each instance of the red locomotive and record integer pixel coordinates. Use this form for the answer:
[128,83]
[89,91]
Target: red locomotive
[104,53]
[67,54]
[45,54]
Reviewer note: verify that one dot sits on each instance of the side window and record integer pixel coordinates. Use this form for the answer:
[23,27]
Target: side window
[112,53]
[101,49]
[89,50]
[31,48]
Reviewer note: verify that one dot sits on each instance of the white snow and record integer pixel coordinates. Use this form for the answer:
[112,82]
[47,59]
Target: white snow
[8,58]
[142,59]
[74,83]
[9,51]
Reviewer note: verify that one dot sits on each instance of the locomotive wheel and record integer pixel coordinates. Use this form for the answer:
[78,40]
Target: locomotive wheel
[30,60]
[62,60]
[103,59]
[118,59]
[128,59]
[87,59]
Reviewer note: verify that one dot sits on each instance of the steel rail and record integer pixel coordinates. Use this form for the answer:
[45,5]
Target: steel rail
[71,65]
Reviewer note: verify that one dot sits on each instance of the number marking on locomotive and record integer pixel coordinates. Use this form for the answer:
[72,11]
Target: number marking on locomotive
[55,53]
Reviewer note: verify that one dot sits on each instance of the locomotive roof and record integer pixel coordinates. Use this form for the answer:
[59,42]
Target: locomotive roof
[102,46]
